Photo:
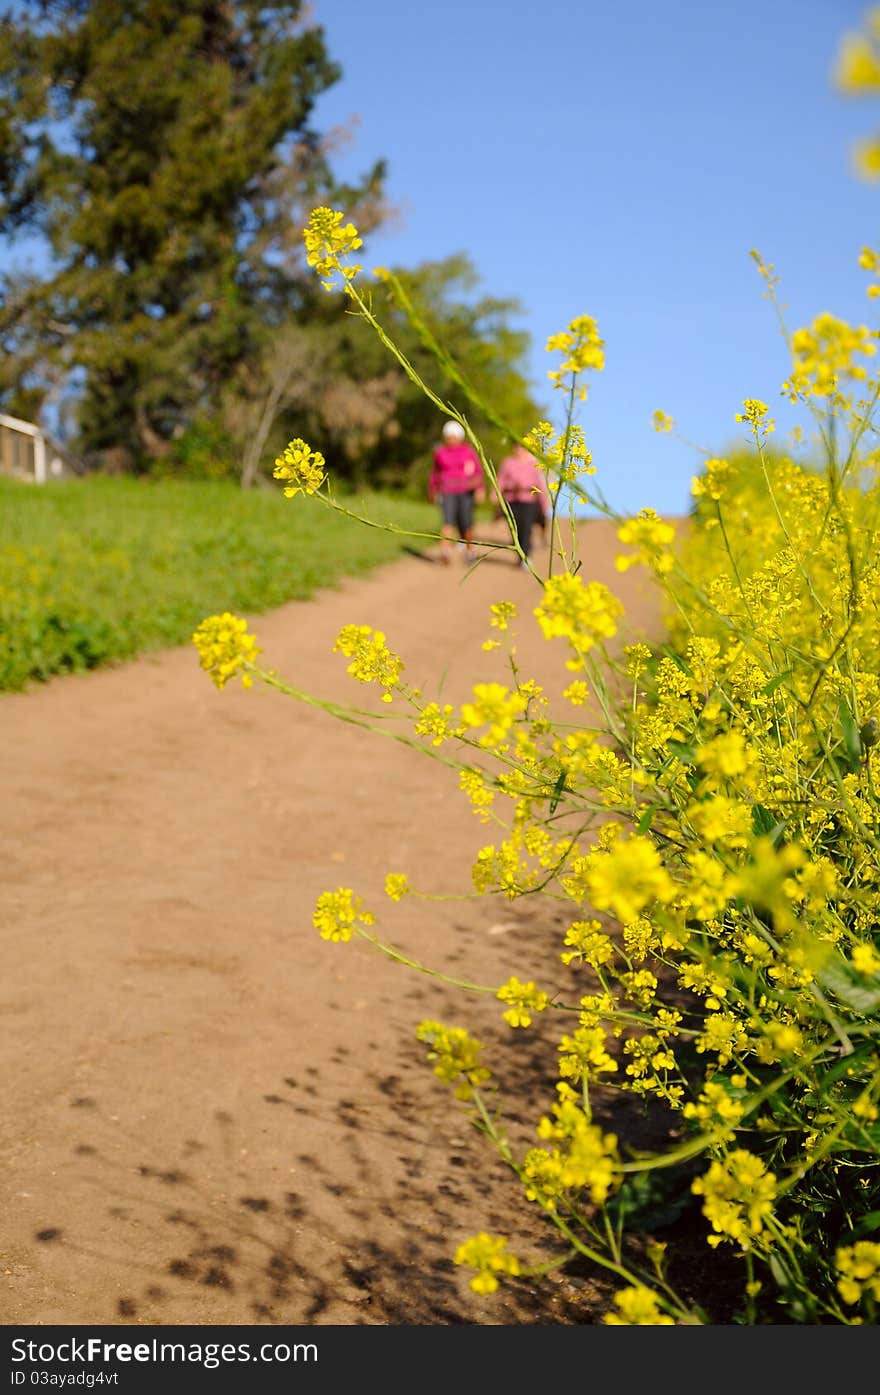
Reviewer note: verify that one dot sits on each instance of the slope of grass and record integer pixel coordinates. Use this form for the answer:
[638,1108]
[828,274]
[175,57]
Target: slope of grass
[101,569]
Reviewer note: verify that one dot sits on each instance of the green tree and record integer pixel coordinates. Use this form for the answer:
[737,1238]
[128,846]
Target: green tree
[164,149]
[374,422]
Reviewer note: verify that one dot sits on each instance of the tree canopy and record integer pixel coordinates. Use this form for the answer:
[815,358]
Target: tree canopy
[165,153]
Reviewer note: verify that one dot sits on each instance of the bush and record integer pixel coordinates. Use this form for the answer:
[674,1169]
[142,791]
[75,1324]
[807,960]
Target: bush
[723,923]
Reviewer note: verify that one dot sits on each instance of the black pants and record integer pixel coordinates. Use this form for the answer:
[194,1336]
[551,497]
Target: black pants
[525,516]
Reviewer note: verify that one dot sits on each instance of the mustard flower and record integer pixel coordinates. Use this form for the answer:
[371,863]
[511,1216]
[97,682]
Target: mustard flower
[716,1109]
[713,481]
[397,886]
[865,959]
[637,1307]
[765,879]
[338,914]
[589,944]
[371,659]
[493,706]
[581,347]
[473,784]
[738,1195]
[435,721]
[524,999]
[225,648]
[726,755]
[650,535]
[582,1056]
[577,693]
[302,467]
[626,878]
[581,612]
[823,353]
[457,1056]
[489,1255]
[661,421]
[585,1160]
[327,241]
[755,413]
[502,614]
[857,69]
[859,1269]
[723,1036]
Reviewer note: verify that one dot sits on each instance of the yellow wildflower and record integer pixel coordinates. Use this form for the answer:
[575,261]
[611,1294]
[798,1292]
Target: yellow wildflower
[225,648]
[371,659]
[327,241]
[457,1056]
[489,1255]
[524,999]
[338,914]
[859,1269]
[302,467]
[397,885]
[637,1307]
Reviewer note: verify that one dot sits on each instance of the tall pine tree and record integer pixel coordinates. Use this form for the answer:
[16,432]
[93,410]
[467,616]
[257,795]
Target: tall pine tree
[165,152]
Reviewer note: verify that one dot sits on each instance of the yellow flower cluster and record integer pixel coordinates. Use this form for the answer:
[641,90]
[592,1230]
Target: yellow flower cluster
[637,1307]
[489,1255]
[338,914]
[301,467]
[226,649]
[580,1159]
[524,999]
[624,879]
[371,659]
[857,74]
[397,886]
[738,1195]
[583,612]
[436,721]
[859,1269]
[457,1057]
[494,706]
[565,454]
[651,536]
[581,347]
[823,353]
[712,482]
[755,413]
[328,240]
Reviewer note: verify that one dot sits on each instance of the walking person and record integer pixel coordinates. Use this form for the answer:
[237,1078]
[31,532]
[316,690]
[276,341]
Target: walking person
[523,486]
[457,481]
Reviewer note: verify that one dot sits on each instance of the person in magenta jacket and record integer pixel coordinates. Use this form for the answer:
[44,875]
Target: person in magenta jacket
[523,486]
[457,481]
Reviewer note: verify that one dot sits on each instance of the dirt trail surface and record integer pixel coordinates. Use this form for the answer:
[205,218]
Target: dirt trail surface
[210,1114]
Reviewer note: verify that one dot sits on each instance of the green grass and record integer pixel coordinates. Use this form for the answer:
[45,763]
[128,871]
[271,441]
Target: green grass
[97,569]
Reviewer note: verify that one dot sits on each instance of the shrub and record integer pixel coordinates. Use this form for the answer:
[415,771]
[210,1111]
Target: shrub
[714,841]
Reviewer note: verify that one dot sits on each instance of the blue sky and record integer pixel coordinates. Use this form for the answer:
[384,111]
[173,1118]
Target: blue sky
[621,160]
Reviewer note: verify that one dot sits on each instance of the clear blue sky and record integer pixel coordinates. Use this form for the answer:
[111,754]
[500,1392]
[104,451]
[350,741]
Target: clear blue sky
[621,160]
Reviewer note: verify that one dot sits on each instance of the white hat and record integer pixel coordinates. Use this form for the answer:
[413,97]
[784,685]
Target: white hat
[455,430]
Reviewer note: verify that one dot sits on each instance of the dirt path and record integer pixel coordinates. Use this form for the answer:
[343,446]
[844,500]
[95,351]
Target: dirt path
[210,1114]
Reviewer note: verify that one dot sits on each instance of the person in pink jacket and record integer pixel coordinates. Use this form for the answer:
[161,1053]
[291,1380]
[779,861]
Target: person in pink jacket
[523,486]
[458,482]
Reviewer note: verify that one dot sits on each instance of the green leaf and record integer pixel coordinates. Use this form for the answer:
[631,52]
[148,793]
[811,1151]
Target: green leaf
[774,683]
[644,822]
[683,750]
[866,1226]
[850,987]
[851,739]
[557,791]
